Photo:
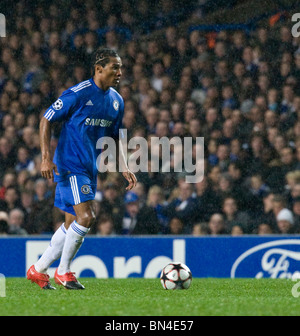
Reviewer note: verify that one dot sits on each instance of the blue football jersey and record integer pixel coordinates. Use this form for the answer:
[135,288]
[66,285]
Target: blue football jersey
[88,113]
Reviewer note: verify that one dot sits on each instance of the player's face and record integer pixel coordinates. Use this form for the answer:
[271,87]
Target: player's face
[111,73]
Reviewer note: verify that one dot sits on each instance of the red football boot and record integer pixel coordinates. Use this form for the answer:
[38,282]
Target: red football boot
[41,279]
[68,280]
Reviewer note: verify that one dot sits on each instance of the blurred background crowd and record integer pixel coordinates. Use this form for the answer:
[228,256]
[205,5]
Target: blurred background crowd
[237,88]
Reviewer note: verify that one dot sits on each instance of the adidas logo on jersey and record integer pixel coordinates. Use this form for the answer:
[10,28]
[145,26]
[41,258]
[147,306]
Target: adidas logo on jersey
[89,103]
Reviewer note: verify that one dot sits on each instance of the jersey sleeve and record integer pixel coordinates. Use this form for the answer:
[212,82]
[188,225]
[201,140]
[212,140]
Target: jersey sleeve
[62,108]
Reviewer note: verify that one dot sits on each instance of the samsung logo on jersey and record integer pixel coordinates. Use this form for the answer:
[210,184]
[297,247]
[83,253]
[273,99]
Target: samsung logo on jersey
[97,122]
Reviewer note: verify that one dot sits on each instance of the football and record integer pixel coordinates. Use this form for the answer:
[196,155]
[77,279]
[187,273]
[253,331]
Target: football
[176,275]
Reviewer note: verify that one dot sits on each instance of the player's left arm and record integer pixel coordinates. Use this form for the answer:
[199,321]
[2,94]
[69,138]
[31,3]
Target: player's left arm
[122,162]
[126,172]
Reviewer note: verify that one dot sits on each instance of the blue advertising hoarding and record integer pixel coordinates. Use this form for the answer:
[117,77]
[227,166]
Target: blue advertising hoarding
[122,257]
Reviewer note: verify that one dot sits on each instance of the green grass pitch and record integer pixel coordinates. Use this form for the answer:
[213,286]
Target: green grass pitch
[146,297]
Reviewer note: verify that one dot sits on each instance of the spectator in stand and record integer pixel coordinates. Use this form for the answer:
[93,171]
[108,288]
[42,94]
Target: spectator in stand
[3,223]
[237,230]
[176,226]
[111,204]
[296,213]
[264,229]
[232,216]
[137,220]
[9,180]
[41,190]
[209,202]
[7,156]
[216,225]
[255,165]
[105,226]
[11,199]
[278,204]
[16,222]
[266,215]
[223,155]
[40,217]
[287,157]
[285,222]
[24,162]
[200,229]
[26,204]
[156,200]
[295,191]
[184,206]
[258,189]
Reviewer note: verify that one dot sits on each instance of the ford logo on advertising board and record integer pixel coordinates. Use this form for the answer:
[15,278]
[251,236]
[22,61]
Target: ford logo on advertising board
[275,259]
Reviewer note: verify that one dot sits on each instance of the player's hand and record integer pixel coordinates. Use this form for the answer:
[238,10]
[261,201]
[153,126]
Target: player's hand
[47,168]
[130,177]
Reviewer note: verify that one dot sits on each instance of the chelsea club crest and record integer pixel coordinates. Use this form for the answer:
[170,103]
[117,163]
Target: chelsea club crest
[85,189]
[116,105]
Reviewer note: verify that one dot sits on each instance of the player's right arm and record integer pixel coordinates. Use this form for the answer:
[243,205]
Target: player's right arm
[47,166]
[59,111]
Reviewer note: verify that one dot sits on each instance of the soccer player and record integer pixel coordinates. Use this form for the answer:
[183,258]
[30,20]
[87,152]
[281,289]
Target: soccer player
[89,111]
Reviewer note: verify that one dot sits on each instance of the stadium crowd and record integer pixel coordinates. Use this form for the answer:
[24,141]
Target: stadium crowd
[238,90]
